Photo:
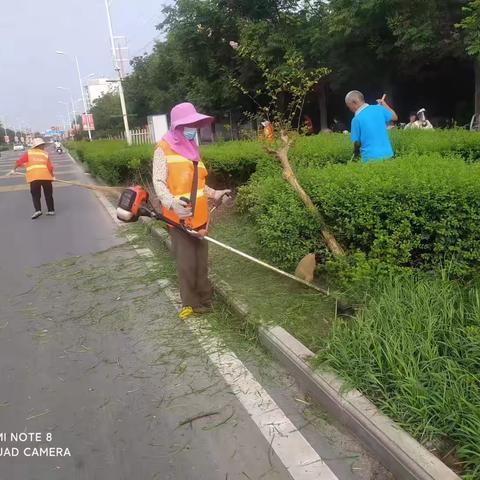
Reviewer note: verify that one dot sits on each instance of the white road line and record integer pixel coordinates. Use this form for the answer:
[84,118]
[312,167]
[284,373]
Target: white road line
[297,455]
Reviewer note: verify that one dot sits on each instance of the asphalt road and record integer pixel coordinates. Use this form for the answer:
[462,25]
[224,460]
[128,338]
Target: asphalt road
[94,360]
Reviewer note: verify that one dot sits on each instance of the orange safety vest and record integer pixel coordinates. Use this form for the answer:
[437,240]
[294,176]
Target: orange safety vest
[37,166]
[179,182]
[268,130]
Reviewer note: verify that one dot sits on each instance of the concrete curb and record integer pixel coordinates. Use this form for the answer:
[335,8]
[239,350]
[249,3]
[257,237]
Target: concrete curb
[400,453]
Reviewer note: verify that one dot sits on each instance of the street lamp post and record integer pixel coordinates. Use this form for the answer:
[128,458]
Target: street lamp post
[85,108]
[116,65]
[68,114]
[73,106]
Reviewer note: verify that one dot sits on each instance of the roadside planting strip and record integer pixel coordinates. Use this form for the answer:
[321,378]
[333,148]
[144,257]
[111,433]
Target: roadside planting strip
[297,455]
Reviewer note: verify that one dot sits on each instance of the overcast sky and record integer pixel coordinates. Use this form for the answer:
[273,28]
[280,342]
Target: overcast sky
[32,30]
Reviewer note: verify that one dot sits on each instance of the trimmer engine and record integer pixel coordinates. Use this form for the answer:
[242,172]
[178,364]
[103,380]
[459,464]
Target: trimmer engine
[130,203]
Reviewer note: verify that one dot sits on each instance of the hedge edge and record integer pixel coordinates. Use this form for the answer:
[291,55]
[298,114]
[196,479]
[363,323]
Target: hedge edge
[399,452]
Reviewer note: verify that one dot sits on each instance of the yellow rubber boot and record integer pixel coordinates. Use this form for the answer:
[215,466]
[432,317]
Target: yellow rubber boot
[185,313]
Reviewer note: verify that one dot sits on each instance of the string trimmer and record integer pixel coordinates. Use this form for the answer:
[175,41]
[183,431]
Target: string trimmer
[89,186]
[133,204]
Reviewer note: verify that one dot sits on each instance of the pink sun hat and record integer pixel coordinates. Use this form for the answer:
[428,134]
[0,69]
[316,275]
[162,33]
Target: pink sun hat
[185,114]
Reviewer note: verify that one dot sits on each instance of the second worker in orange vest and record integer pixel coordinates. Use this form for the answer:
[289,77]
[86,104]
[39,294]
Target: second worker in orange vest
[179,178]
[39,174]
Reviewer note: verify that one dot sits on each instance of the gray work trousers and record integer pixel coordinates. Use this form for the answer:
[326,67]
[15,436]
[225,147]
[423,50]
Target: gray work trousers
[191,255]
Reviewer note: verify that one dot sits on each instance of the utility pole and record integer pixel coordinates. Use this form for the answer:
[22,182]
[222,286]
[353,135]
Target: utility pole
[116,65]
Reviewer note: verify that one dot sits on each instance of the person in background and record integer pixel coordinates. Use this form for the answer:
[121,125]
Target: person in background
[179,180]
[412,121]
[267,131]
[419,120]
[39,174]
[308,125]
[369,127]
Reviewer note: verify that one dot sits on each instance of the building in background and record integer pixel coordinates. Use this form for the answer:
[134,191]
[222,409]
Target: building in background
[97,87]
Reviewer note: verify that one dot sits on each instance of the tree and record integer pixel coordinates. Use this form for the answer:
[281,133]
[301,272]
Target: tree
[471,28]
[107,114]
[391,39]
[281,101]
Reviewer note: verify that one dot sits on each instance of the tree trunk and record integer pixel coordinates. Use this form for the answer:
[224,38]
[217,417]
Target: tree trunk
[322,105]
[477,85]
[328,238]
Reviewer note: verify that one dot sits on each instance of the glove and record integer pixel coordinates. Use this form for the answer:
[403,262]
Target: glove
[181,209]
[219,194]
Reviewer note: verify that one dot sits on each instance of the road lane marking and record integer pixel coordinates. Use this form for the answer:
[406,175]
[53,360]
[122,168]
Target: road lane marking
[57,174]
[18,188]
[296,454]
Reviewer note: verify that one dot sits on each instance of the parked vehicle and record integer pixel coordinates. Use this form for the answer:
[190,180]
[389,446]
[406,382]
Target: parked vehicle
[18,147]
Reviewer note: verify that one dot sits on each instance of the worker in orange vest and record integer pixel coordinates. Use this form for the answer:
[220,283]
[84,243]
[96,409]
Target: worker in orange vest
[179,178]
[39,174]
[268,131]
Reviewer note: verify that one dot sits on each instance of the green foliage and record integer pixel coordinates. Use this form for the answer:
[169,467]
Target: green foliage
[285,229]
[460,142]
[415,211]
[107,114]
[470,25]
[234,162]
[114,161]
[415,351]
[284,87]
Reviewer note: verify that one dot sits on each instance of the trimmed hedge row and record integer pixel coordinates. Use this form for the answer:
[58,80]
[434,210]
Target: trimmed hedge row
[234,162]
[414,211]
[117,163]
[113,161]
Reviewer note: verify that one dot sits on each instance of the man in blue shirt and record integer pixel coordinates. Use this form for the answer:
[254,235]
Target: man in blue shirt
[369,127]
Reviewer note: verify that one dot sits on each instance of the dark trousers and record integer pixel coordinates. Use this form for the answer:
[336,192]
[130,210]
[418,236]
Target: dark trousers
[191,255]
[36,191]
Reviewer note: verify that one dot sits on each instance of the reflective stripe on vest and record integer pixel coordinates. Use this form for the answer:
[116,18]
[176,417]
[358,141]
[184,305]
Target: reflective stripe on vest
[37,166]
[179,183]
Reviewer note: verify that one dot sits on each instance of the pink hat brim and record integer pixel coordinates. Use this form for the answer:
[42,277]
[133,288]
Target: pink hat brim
[195,120]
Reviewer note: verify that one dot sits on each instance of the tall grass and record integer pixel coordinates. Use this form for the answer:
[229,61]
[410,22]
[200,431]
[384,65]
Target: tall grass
[415,351]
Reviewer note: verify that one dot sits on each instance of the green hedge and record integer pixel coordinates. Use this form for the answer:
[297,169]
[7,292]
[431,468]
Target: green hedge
[113,161]
[411,211]
[460,142]
[116,163]
[234,162]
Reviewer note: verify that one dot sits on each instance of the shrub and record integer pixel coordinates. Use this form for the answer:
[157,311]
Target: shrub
[321,150]
[415,351]
[416,211]
[113,161]
[233,162]
[461,142]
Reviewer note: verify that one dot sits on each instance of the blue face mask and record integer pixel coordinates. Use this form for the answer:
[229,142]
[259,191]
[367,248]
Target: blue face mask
[189,133]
